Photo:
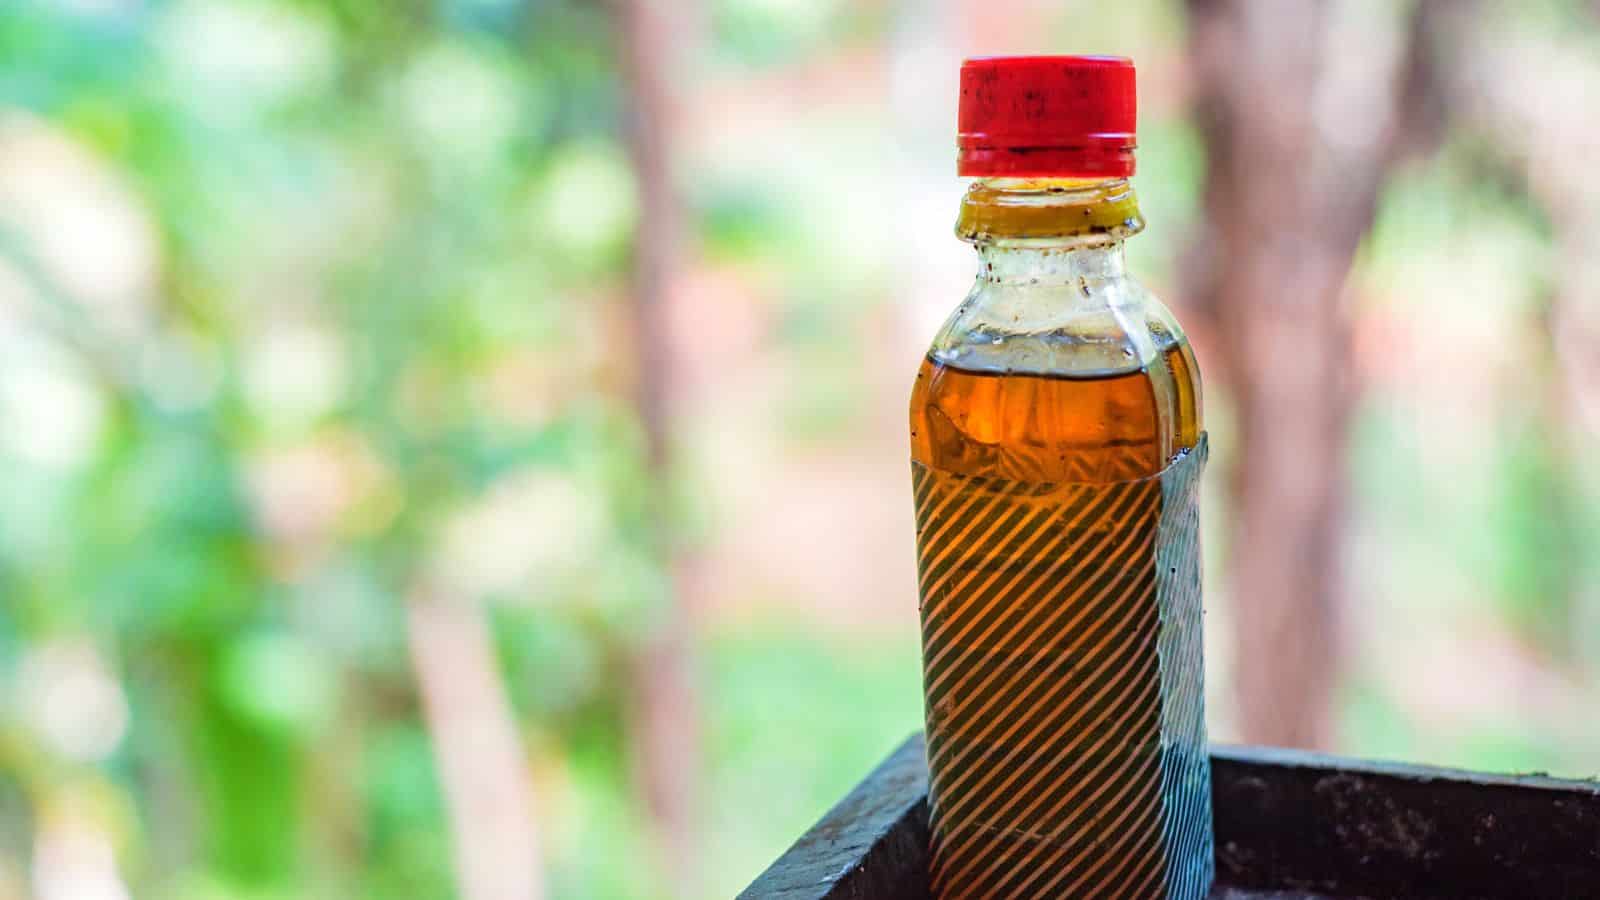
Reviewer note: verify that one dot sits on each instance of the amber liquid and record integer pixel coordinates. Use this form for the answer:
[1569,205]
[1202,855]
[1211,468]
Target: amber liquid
[1036,429]
[1048,428]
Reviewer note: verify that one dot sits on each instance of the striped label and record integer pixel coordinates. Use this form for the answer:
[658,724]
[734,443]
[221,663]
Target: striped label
[1063,681]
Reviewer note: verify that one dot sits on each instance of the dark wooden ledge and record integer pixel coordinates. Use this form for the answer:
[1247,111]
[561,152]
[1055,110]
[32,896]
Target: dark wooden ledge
[1289,826]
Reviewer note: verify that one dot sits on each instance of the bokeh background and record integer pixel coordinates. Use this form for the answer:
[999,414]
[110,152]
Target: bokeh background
[456,448]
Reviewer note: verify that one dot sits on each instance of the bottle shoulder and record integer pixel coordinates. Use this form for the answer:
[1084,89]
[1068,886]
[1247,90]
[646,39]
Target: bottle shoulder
[1049,382]
[1080,326]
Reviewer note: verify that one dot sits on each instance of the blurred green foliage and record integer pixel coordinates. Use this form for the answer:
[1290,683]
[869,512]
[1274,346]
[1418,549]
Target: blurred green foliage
[358,210]
[378,246]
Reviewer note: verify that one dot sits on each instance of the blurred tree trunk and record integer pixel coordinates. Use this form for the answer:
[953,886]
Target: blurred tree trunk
[1299,135]
[665,710]
[487,791]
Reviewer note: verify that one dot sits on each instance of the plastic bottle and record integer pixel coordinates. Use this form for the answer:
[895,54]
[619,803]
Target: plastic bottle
[1057,444]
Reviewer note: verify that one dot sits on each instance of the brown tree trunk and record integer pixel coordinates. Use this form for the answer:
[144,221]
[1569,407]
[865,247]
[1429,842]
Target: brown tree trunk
[664,716]
[485,780]
[1290,189]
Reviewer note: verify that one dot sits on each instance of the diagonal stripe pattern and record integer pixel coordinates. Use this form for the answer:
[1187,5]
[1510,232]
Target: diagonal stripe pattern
[1061,632]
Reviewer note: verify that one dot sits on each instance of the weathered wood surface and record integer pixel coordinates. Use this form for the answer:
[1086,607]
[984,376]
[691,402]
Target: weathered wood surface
[1355,827]
[1290,826]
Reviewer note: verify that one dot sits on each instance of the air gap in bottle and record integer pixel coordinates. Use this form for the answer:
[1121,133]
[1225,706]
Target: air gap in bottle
[1057,445]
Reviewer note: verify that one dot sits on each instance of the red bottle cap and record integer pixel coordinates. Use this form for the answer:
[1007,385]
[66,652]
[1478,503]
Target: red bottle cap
[1047,116]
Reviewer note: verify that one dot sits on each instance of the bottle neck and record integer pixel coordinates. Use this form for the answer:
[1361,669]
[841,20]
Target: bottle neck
[1009,263]
[1048,213]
